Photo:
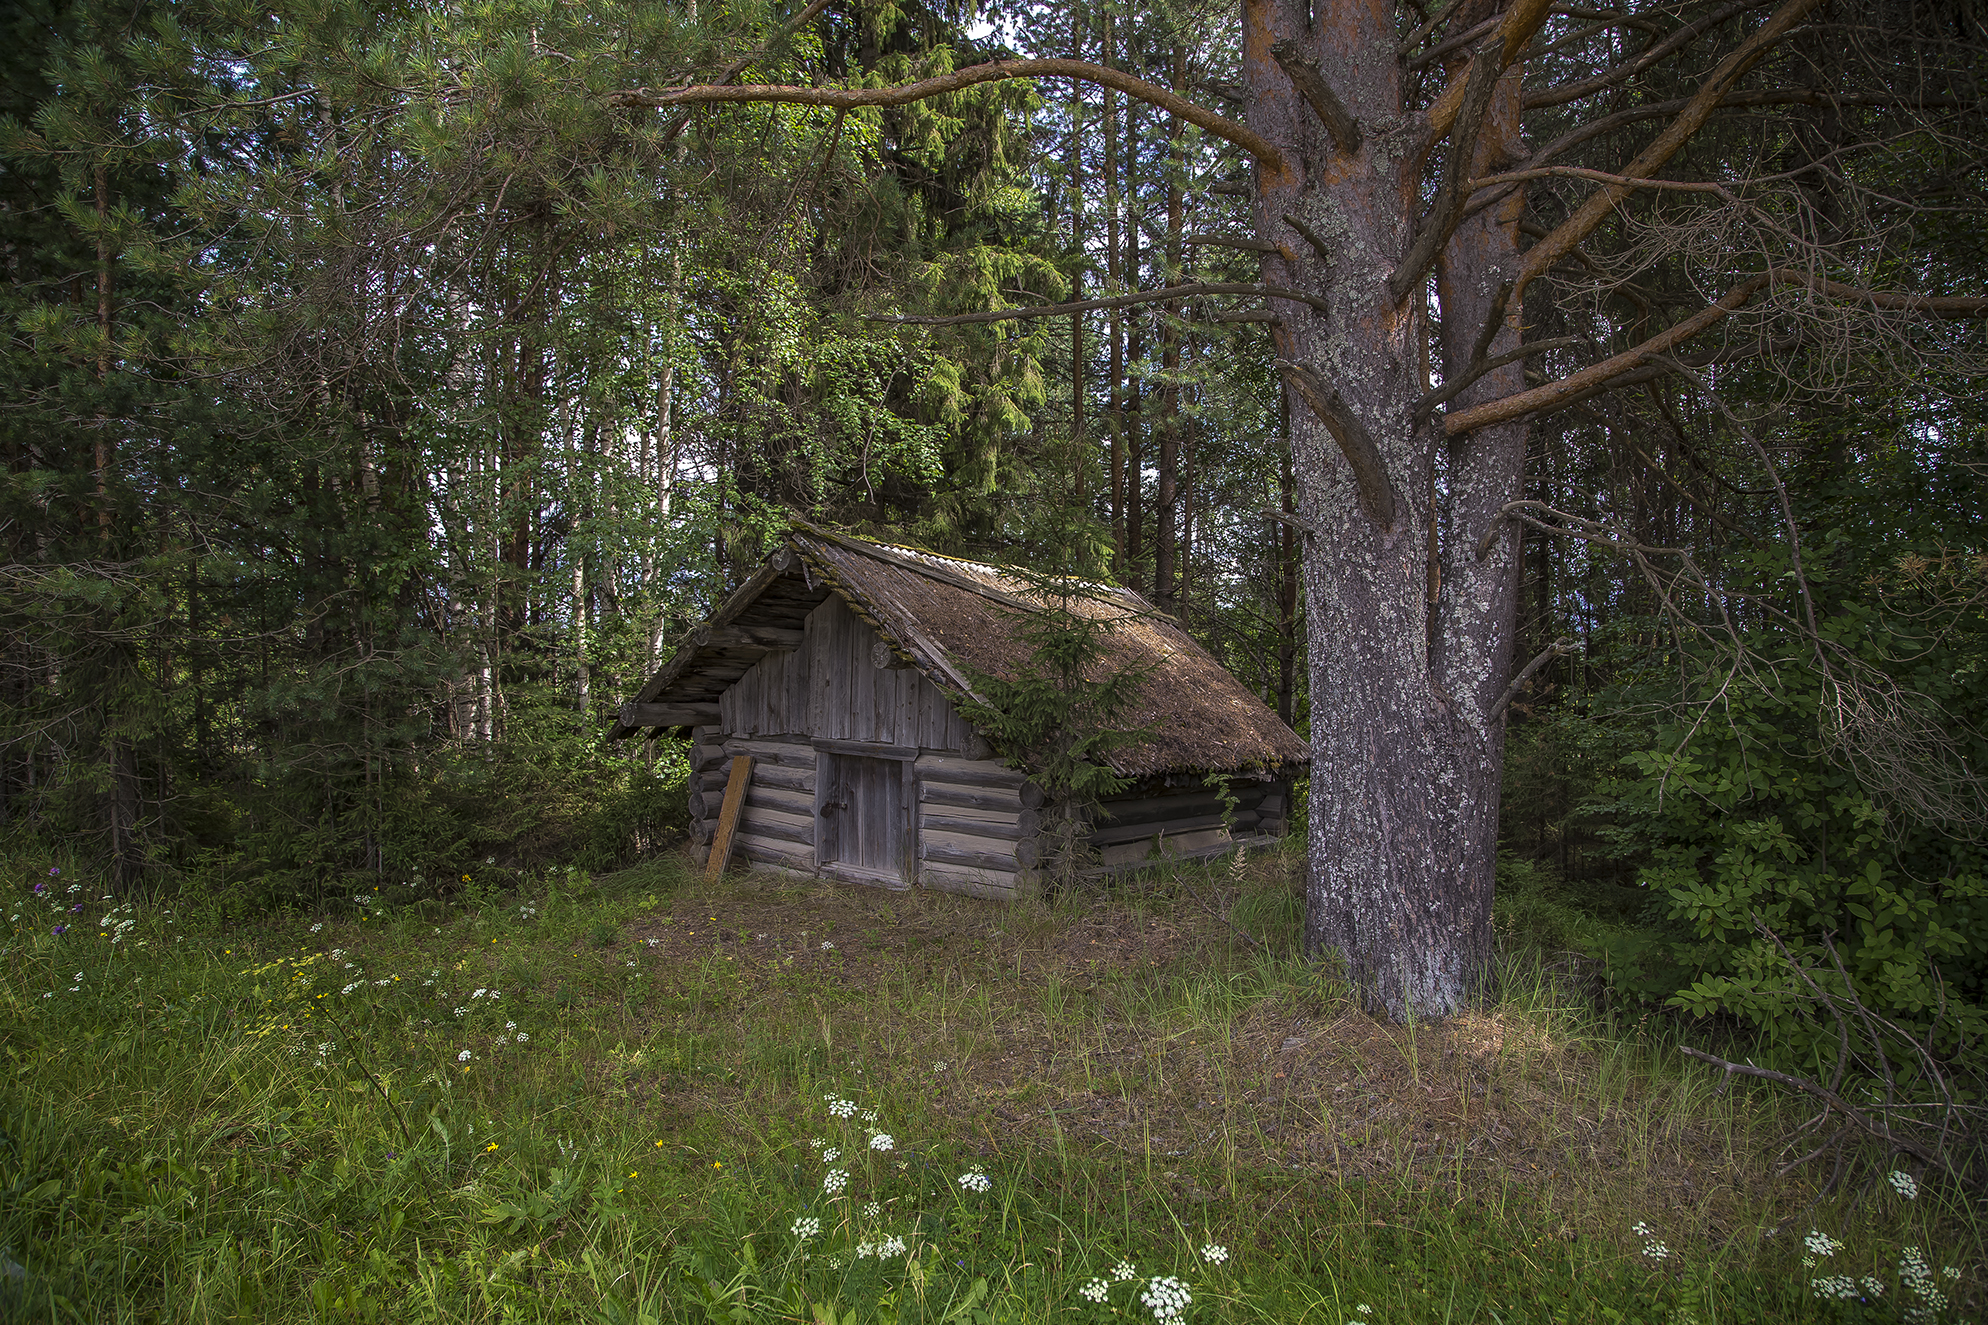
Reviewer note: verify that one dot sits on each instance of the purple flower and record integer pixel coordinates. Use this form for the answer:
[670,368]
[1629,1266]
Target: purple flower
[40,888]
[74,909]
[60,929]
[54,871]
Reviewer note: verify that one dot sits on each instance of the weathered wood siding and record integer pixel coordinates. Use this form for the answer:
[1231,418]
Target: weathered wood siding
[809,712]
[850,698]
[771,699]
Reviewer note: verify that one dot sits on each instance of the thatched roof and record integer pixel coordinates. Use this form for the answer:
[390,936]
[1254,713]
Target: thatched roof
[953,619]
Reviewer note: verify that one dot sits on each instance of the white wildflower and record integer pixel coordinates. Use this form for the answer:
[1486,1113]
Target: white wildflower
[891,1246]
[1095,1290]
[805,1226]
[869,1115]
[318,926]
[464,1056]
[522,1037]
[976,1181]
[881,1141]
[1819,1245]
[1838,1286]
[1905,1184]
[830,1155]
[1123,1270]
[1214,1253]
[1166,1297]
[872,1209]
[835,1181]
[842,1109]
[826,946]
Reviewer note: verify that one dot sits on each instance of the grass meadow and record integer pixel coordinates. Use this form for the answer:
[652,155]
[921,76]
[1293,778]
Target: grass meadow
[638,1099]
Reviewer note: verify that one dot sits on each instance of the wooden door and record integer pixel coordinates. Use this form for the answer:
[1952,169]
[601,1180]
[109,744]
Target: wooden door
[862,815]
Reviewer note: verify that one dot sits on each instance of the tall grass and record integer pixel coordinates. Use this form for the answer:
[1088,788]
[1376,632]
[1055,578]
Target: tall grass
[609,1101]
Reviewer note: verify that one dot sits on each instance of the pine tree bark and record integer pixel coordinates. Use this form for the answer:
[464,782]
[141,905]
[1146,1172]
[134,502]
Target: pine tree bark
[1405,764]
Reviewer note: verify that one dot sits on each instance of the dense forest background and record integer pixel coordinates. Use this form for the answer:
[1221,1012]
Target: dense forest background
[381,398]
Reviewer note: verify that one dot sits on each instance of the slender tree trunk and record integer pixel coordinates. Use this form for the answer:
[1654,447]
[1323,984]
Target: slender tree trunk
[1166,497]
[1288,562]
[1135,461]
[1115,327]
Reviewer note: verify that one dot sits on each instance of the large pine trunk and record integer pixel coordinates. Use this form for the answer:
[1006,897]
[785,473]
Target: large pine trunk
[1410,631]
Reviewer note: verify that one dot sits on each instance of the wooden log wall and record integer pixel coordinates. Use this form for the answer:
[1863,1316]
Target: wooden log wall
[1186,818]
[978,825]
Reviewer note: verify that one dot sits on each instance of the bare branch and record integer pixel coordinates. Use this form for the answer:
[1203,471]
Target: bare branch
[739,66]
[1318,94]
[1600,177]
[1312,237]
[1557,649]
[1553,393]
[1609,372]
[1355,442]
[1486,67]
[1541,256]
[1829,1097]
[1297,522]
[1231,241]
[1171,292]
[1451,390]
[1558,96]
[843,98]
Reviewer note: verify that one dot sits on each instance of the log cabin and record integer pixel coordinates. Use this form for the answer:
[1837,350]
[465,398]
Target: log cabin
[839,667]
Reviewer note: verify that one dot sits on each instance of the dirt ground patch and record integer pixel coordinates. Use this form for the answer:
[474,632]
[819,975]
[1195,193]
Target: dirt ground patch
[1151,1021]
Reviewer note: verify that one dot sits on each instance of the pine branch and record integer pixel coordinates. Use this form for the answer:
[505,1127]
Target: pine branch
[1166,295]
[845,98]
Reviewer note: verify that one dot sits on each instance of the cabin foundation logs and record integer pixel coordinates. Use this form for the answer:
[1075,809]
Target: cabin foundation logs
[979,822]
